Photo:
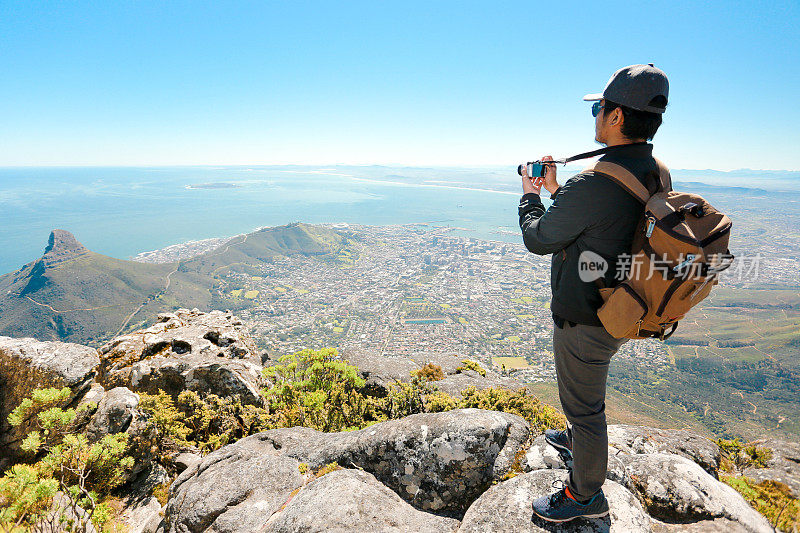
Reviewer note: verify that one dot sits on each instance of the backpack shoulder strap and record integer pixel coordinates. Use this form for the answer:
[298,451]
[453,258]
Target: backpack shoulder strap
[664,176]
[623,177]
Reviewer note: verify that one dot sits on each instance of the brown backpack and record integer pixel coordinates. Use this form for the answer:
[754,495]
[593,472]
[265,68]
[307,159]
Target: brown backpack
[679,249]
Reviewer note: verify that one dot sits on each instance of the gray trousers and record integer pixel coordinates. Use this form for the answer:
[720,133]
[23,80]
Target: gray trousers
[582,354]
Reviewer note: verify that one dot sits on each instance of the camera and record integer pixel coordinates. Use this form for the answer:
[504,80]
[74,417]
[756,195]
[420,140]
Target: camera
[536,169]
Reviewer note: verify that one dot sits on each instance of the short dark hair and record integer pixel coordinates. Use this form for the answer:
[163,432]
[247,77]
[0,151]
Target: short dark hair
[637,124]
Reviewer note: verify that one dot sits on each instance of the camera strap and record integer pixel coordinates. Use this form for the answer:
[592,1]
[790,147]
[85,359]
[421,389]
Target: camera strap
[594,153]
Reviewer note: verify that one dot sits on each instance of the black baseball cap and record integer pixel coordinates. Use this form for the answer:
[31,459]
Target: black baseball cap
[637,87]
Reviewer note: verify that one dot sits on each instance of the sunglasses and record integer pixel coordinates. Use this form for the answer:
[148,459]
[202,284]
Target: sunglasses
[596,107]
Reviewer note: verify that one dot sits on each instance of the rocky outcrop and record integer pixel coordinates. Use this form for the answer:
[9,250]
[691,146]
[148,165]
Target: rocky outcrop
[437,462]
[61,246]
[783,466]
[186,350]
[451,471]
[353,500]
[27,364]
[638,439]
[236,488]
[676,489]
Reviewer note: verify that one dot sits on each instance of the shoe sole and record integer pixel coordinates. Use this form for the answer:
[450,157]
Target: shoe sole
[559,447]
[599,515]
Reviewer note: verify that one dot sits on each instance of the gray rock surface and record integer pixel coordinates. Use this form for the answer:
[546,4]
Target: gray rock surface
[784,466]
[353,500]
[116,411]
[507,507]
[142,512]
[236,488]
[718,525]
[379,372]
[186,350]
[541,456]
[436,461]
[61,509]
[27,364]
[143,517]
[185,460]
[640,439]
[455,384]
[676,489]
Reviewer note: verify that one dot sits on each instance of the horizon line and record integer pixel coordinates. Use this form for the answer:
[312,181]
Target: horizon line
[388,165]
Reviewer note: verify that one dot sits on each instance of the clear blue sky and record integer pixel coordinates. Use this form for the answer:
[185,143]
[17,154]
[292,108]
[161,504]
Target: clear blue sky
[417,83]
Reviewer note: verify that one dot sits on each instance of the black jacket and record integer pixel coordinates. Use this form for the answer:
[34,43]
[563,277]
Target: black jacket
[589,212]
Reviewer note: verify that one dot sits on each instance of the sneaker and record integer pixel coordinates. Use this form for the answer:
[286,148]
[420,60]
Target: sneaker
[561,507]
[561,441]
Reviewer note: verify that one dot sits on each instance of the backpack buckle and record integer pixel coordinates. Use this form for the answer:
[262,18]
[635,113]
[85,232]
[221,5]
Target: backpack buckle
[689,259]
[651,225]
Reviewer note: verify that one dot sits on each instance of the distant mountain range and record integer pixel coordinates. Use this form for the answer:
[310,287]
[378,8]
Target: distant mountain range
[74,294]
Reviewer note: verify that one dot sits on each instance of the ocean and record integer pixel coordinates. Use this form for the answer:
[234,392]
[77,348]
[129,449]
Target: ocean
[121,212]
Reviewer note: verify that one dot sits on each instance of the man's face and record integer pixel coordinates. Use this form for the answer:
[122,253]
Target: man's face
[599,129]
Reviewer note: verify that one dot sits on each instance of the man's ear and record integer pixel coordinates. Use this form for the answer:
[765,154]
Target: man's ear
[617,118]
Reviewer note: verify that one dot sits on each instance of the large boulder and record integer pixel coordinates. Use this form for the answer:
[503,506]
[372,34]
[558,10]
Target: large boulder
[27,364]
[675,490]
[640,439]
[438,462]
[507,507]
[353,500]
[186,350]
[236,488]
[118,412]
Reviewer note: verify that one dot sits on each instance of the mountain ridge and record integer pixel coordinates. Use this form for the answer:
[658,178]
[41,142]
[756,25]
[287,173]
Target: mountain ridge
[49,298]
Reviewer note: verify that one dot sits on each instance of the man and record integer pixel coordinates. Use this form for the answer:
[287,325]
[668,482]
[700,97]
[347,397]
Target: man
[590,215]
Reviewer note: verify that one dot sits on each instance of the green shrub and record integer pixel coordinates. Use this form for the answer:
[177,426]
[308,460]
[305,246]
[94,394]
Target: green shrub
[738,456]
[438,402]
[84,472]
[519,402]
[315,389]
[405,398]
[471,365]
[205,423]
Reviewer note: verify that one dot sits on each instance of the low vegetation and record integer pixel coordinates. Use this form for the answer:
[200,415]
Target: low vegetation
[431,372]
[771,498]
[471,365]
[318,390]
[64,467]
[738,456]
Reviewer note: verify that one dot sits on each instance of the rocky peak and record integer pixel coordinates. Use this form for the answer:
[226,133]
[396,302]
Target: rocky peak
[62,246]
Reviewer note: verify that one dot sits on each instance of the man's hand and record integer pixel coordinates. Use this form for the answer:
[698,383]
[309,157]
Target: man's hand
[549,180]
[529,184]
